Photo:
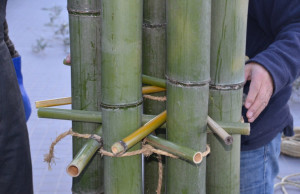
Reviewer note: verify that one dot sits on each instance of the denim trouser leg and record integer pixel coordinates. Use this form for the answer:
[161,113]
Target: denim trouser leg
[259,167]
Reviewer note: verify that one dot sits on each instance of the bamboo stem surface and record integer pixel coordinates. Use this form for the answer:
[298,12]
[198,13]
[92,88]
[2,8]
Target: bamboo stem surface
[121,90]
[85,47]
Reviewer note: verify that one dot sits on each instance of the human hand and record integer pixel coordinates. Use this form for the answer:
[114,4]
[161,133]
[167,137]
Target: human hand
[260,91]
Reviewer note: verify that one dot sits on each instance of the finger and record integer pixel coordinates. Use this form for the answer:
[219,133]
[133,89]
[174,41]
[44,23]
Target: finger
[256,112]
[253,92]
[260,103]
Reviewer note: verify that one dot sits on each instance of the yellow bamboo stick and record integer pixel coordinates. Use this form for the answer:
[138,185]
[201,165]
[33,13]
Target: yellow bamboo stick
[139,134]
[68,100]
[152,89]
[53,102]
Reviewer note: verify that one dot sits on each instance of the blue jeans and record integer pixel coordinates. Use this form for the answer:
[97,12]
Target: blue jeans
[259,167]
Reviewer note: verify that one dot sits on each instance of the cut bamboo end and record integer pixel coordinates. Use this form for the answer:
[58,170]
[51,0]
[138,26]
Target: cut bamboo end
[117,148]
[73,171]
[228,140]
[197,158]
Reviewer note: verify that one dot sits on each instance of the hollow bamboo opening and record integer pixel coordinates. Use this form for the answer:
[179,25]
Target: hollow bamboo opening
[73,171]
[197,158]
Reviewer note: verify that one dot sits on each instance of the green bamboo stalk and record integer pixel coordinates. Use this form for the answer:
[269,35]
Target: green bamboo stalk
[188,46]
[153,81]
[154,62]
[96,117]
[182,152]
[121,90]
[84,156]
[219,131]
[84,23]
[74,115]
[229,19]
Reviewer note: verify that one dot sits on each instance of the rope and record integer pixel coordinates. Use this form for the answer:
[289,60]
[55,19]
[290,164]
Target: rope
[285,181]
[291,145]
[160,174]
[49,158]
[157,98]
[147,150]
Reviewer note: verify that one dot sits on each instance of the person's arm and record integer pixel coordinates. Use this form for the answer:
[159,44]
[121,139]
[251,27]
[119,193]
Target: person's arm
[279,65]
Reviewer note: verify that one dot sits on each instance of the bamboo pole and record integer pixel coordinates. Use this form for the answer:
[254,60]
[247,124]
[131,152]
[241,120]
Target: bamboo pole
[84,155]
[53,102]
[121,90]
[84,23]
[68,100]
[96,117]
[154,62]
[153,81]
[138,135]
[188,45]
[184,153]
[74,115]
[229,19]
[219,131]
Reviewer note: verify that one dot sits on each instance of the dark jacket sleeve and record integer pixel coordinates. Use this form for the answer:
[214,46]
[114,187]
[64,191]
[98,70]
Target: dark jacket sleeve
[280,20]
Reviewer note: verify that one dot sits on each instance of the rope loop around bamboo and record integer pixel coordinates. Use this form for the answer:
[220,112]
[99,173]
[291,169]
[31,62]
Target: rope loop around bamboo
[156,98]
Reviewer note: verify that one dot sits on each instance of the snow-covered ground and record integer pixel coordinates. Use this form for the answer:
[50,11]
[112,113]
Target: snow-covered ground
[45,77]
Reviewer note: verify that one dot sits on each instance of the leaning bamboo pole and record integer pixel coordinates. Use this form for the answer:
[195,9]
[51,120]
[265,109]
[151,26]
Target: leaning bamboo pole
[84,23]
[121,90]
[138,135]
[228,39]
[154,60]
[188,46]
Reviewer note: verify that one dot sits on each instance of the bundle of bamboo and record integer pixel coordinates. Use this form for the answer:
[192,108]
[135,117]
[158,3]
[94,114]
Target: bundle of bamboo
[190,49]
[84,23]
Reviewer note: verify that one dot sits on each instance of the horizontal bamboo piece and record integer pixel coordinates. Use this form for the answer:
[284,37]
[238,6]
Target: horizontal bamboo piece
[84,155]
[53,102]
[152,89]
[74,115]
[217,129]
[138,135]
[68,100]
[235,127]
[153,81]
[178,150]
[96,117]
